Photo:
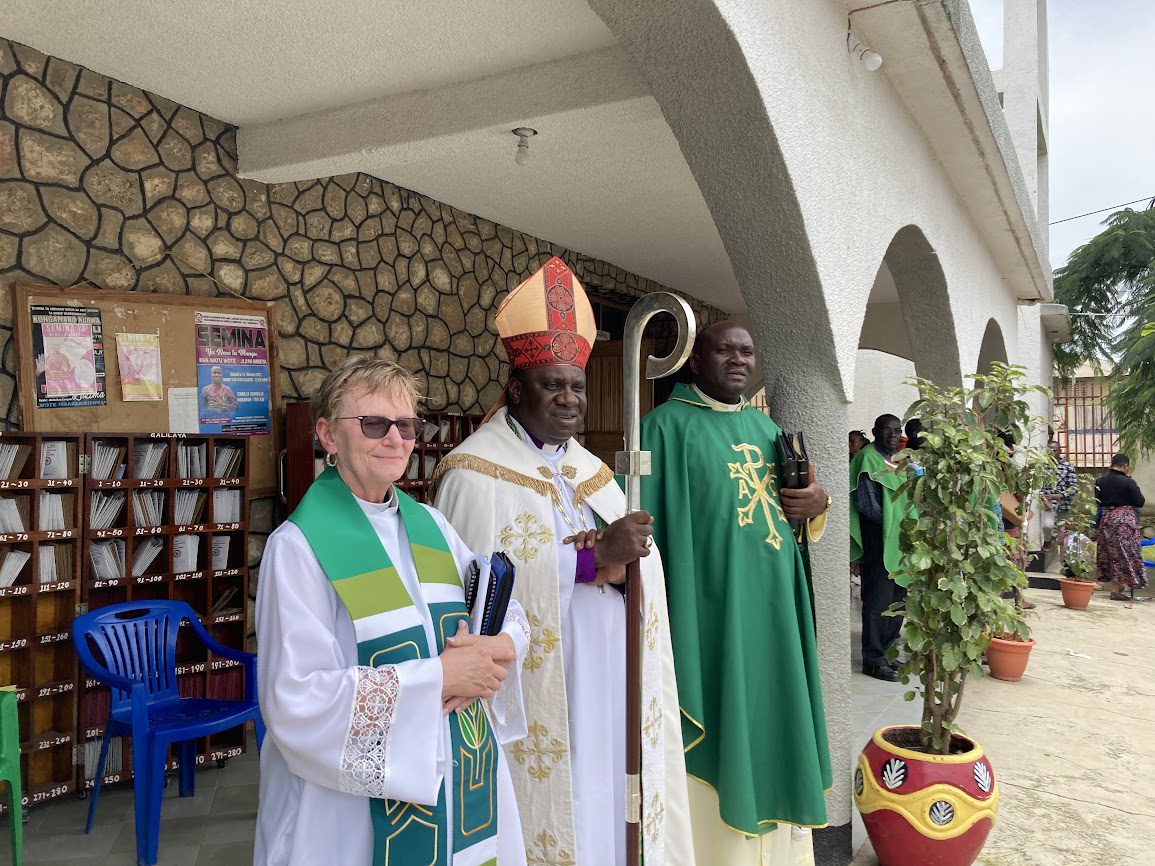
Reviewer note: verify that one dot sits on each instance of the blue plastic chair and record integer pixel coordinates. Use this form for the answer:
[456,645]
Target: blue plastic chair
[136,642]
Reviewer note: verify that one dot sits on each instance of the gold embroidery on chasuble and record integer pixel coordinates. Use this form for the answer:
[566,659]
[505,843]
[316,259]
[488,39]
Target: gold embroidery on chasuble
[651,627]
[568,471]
[542,641]
[655,817]
[652,725]
[537,750]
[525,536]
[591,485]
[758,490]
[545,852]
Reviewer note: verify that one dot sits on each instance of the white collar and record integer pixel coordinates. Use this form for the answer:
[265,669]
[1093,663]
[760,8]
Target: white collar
[718,405]
[374,508]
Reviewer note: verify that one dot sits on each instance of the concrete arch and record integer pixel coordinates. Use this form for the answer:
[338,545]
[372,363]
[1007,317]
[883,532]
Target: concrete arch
[705,65]
[924,298]
[992,349]
[697,69]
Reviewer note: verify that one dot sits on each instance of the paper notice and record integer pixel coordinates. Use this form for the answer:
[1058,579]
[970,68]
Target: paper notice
[183,414]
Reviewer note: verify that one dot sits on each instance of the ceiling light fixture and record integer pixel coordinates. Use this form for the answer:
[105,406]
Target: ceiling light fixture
[871,59]
[524,134]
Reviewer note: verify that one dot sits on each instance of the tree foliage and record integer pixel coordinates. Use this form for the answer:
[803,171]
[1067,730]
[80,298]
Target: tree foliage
[1107,281]
[1109,286]
[956,562]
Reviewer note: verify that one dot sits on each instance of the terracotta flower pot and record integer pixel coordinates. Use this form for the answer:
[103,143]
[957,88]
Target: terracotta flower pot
[924,810]
[1008,659]
[1076,593]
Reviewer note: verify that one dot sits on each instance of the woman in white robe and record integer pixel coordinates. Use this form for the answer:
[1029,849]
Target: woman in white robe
[342,733]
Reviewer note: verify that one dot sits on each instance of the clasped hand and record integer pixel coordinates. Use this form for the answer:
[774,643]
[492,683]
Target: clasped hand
[803,503]
[473,666]
[625,540]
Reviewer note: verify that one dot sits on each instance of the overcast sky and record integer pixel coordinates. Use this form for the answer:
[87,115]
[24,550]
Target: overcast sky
[1101,123]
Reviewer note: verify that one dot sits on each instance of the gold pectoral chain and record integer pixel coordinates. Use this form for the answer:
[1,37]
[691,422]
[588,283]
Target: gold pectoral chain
[547,473]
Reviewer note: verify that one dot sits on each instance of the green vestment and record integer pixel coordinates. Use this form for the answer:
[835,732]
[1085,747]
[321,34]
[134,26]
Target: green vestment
[741,617]
[894,505]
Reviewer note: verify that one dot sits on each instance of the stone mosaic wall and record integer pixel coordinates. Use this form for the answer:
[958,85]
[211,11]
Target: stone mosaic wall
[104,183]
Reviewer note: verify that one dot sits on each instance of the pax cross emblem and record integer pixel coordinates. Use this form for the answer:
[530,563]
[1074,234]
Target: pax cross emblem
[756,488]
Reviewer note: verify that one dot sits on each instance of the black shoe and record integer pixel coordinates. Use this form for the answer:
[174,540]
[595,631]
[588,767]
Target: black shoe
[881,672]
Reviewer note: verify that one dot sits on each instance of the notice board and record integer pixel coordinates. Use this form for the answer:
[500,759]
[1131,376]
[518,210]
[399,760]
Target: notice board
[174,319]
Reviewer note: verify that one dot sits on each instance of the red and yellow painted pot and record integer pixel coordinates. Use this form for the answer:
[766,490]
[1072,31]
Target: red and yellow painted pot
[925,810]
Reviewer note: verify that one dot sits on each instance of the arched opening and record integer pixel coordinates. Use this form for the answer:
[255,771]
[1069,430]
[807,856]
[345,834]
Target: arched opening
[908,330]
[993,348]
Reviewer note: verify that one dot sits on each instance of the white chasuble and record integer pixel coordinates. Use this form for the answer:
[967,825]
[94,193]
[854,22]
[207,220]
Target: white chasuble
[503,493]
[340,733]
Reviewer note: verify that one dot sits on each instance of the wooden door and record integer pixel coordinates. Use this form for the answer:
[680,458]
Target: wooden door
[605,379]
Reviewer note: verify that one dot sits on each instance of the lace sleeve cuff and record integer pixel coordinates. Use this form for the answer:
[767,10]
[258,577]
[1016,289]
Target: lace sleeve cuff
[517,627]
[365,756]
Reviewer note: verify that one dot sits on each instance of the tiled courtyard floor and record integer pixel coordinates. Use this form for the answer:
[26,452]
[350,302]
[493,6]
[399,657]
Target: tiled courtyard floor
[1068,743]
[213,828]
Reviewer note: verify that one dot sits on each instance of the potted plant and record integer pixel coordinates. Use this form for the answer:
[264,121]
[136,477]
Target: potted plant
[927,793]
[1078,551]
[1009,651]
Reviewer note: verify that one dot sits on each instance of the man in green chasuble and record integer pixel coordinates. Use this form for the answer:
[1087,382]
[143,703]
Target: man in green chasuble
[741,615]
[876,512]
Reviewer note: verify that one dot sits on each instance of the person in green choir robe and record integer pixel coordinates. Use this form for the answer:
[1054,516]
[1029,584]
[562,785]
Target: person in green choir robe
[876,512]
[741,610]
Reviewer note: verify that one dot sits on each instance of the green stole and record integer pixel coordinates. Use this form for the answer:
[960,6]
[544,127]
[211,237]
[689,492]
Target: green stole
[741,617]
[894,505]
[390,631]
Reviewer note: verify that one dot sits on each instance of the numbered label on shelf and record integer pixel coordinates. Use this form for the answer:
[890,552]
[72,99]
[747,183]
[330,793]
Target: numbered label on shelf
[17,643]
[53,690]
[51,742]
[47,794]
[18,484]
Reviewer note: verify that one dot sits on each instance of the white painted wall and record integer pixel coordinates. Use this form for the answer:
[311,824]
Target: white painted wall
[862,170]
[879,388]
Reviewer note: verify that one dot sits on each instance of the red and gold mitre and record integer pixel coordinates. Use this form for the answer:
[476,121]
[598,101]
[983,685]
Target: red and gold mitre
[547,320]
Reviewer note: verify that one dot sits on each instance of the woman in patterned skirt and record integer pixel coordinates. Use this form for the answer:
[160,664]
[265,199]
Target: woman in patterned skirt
[1118,558]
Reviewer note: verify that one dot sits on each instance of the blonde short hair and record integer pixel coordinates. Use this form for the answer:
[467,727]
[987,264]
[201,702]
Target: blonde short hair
[363,374]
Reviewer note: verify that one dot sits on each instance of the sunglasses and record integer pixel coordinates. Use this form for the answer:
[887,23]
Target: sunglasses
[378,426]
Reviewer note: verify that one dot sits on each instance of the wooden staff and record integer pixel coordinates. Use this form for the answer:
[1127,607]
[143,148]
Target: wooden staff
[634,463]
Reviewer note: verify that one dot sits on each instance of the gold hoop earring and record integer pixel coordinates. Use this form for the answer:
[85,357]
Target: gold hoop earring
[331,458]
